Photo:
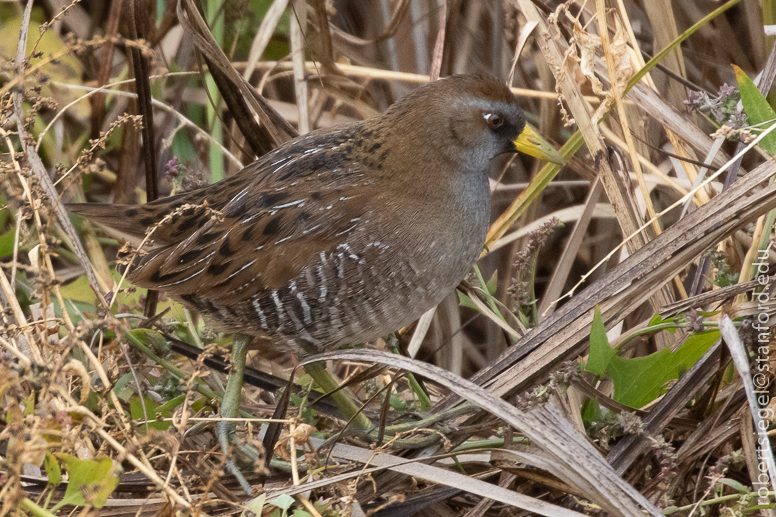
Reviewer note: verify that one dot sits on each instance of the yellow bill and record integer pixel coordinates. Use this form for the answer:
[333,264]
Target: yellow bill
[529,142]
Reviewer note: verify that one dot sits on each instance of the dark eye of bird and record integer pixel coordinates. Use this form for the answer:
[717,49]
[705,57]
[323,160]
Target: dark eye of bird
[494,120]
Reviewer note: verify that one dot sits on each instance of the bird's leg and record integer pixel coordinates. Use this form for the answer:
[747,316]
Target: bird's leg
[230,405]
[352,413]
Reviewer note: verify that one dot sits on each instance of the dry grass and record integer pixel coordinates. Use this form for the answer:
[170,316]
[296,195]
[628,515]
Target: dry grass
[653,224]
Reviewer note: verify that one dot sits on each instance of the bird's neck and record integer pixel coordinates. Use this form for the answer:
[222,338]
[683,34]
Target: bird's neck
[424,181]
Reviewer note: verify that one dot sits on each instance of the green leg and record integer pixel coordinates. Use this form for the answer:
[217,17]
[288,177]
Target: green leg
[230,405]
[361,424]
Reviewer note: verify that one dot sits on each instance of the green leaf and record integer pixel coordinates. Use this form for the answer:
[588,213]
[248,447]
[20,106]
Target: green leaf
[490,286]
[5,213]
[282,501]
[154,410]
[735,485]
[656,320]
[65,68]
[641,380]
[75,309]
[199,405]
[591,411]
[53,471]
[169,407]
[7,241]
[600,351]
[255,506]
[123,389]
[29,404]
[694,347]
[465,301]
[308,414]
[757,109]
[136,408]
[79,290]
[638,381]
[90,482]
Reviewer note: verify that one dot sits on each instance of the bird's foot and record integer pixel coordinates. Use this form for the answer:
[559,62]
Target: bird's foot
[238,453]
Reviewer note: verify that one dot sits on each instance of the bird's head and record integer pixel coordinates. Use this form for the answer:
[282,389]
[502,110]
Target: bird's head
[470,119]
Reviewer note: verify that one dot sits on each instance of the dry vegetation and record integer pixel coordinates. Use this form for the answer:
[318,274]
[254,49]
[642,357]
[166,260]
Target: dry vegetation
[667,209]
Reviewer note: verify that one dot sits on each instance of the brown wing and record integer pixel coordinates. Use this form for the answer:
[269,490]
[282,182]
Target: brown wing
[265,181]
[262,241]
[172,219]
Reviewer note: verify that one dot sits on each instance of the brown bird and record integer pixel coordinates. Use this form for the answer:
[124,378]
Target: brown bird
[341,235]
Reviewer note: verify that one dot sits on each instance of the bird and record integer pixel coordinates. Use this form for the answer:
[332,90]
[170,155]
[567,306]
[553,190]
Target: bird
[338,236]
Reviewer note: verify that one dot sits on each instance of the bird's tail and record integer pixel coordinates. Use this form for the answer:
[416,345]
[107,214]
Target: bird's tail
[125,222]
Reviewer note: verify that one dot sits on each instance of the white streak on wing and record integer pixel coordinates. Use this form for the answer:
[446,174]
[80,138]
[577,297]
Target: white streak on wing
[278,305]
[189,267]
[347,248]
[246,284]
[292,203]
[277,208]
[340,265]
[312,229]
[377,244]
[305,308]
[204,258]
[236,198]
[324,289]
[181,281]
[249,264]
[319,269]
[289,162]
[294,319]
[345,231]
[260,313]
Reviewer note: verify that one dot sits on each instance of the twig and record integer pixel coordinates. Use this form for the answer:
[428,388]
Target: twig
[40,170]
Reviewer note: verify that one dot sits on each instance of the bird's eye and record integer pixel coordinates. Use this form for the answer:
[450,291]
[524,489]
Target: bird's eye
[494,120]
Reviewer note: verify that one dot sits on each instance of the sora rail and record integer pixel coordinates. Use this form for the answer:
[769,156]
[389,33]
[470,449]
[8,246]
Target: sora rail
[341,235]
